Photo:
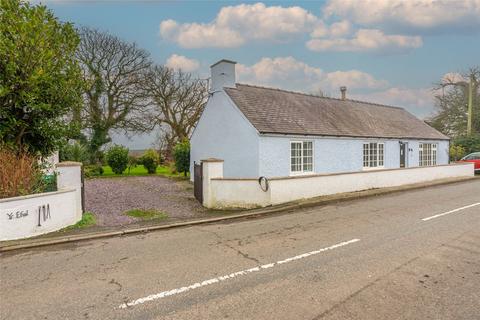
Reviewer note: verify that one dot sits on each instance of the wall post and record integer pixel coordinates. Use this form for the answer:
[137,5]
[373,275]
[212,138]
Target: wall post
[70,177]
[211,168]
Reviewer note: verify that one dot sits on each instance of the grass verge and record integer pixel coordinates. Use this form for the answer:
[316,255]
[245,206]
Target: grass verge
[88,219]
[146,214]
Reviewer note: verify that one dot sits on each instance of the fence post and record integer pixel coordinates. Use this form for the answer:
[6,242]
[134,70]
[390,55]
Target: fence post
[70,177]
[211,168]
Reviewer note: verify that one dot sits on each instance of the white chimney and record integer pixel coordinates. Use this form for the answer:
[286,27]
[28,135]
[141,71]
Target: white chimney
[222,75]
[343,90]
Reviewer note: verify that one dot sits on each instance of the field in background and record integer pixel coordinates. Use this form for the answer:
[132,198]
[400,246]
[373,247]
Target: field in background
[140,170]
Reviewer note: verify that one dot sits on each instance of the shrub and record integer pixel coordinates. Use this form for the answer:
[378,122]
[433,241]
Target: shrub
[456,152]
[20,173]
[132,163]
[74,152]
[181,154]
[117,158]
[93,170]
[150,160]
[469,143]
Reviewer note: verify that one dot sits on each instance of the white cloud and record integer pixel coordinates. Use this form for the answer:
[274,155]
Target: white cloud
[354,79]
[419,101]
[194,35]
[234,25]
[452,77]
[292,74]
[176,61]
[411,15]
[367,40]
[336,29]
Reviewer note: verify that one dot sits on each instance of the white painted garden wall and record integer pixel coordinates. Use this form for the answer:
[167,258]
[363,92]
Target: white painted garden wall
[247,193]
[36,214]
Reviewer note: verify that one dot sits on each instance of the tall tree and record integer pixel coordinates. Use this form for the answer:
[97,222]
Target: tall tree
[178,101]
[115,95]
[40,80]
[452,105]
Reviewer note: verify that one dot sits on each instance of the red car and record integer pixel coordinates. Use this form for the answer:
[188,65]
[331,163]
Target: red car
[475,158]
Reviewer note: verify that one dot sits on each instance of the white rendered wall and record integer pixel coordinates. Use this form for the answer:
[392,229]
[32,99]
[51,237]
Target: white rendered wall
[224,133]
[335,155]
[246,193]
[36,214]
[69,177]
[20,217]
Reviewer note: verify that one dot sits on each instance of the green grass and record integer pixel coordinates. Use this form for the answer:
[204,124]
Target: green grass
[146,214]
[88,219]
[141,171]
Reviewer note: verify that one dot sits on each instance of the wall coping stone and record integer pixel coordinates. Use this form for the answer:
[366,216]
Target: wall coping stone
[316,175]
[37,195]
[69,164]
[212,160]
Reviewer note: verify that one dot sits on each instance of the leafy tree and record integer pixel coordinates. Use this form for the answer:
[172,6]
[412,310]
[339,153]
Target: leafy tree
[452,106]
[468,143]
[150,160]
[178,100]
[181,153]
[117,158]
[40,80]
[115,97]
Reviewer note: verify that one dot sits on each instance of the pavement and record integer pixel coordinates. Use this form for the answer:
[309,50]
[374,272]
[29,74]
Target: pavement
[409,255]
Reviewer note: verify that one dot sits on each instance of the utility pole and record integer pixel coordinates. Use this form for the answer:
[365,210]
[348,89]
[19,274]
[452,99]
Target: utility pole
[472,84]
[470,105]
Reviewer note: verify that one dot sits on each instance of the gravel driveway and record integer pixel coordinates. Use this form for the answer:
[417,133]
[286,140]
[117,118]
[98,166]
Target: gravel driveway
[109,198]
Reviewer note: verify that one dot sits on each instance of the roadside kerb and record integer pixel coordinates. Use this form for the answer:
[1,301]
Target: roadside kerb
[244,214]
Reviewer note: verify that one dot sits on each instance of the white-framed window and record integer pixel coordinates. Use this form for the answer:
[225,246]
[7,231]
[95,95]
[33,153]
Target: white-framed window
[373,155]
[427,154]
[301,157]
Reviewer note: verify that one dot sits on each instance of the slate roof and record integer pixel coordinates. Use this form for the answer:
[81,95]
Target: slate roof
[277,111]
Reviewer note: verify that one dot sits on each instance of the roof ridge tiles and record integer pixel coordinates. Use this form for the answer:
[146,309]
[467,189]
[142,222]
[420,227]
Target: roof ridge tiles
[316,96]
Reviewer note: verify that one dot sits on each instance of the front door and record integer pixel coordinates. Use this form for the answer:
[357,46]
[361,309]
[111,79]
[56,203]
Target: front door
[402,154]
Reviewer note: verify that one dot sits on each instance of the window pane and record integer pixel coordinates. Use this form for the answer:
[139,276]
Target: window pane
[295,156]
[307,156]
[380,154]
[365,155]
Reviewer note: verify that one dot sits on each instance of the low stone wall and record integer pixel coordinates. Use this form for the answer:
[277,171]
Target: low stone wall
[222,193]
[36,214]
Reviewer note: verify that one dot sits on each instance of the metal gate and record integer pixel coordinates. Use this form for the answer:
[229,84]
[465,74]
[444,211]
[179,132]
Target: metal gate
[82,179]
[198,181]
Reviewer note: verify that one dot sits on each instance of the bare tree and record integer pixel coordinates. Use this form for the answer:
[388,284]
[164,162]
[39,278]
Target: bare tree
[451,97]
[178,100]
[114,95]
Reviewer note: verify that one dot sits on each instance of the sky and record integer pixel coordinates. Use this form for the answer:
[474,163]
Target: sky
[385,51]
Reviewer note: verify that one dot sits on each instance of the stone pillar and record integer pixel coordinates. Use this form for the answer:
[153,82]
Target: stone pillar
[70,177]
[211,168]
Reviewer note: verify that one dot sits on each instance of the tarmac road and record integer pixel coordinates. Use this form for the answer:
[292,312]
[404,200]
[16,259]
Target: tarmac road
[409,255]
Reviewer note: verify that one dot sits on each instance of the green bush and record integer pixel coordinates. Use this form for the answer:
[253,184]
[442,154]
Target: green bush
[132,163]
[469,143]
[74,152]
[150,160]
[93,170]
[456,152]
[181,154]
[117,158]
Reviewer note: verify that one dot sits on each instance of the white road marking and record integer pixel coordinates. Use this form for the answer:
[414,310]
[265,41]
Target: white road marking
[197,285]
[451,211]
